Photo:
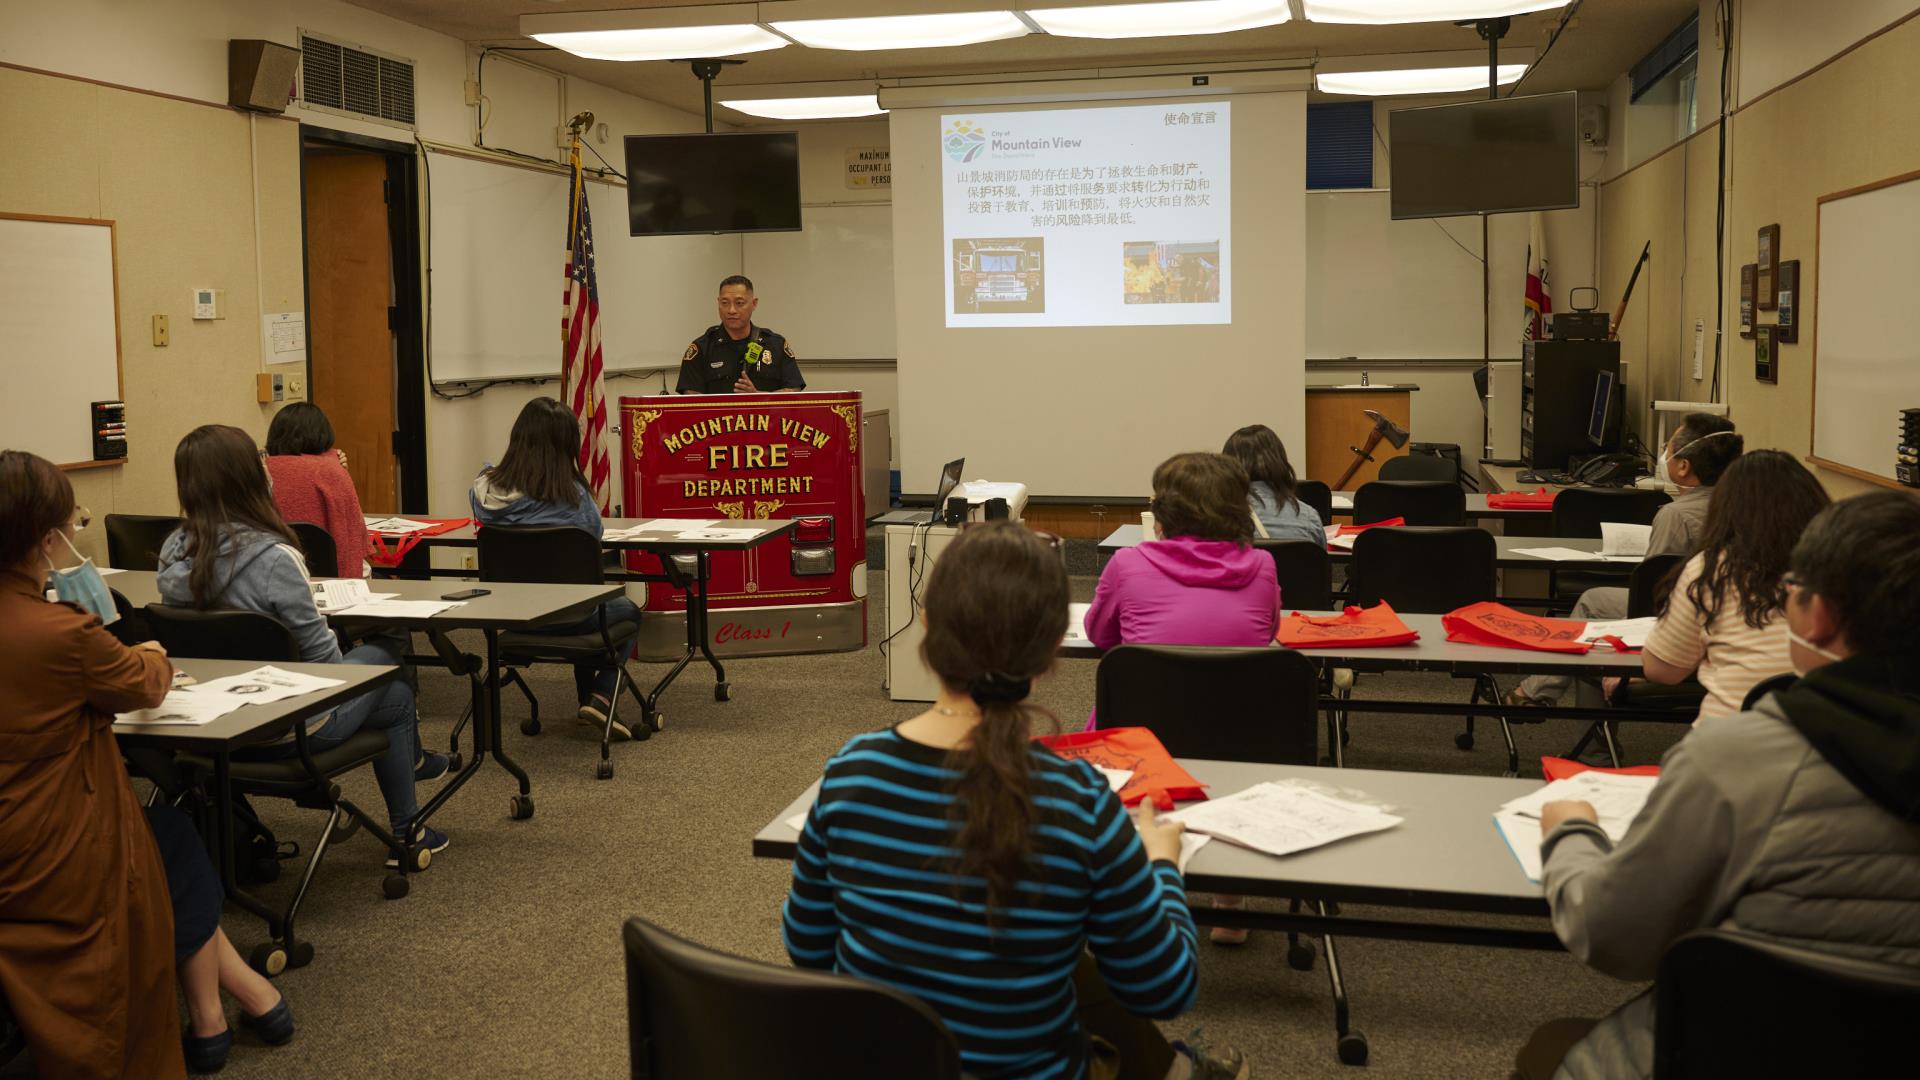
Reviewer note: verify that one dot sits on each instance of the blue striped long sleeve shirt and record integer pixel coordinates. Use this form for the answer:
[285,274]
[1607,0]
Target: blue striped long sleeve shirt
[877,893]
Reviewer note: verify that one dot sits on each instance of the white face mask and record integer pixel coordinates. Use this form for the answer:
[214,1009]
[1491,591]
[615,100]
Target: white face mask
[1795,639]
[1660,473]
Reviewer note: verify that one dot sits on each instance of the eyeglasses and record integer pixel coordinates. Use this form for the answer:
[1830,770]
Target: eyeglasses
[82,517]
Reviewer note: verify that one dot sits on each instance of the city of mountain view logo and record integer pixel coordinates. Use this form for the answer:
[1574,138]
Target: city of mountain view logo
[963,140]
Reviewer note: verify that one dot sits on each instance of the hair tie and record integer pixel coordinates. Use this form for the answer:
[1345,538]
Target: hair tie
[995,688]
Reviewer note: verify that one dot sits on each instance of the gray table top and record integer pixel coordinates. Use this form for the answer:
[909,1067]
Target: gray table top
[1507,554]
[1432,652]
[255,723]
[1445,855]
[464,536]
[509,605]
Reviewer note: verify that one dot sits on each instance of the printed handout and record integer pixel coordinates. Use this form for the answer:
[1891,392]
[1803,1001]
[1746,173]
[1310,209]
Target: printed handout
[261,686]
[1283,817]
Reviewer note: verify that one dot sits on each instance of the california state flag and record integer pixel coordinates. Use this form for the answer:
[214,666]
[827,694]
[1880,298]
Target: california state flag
[1539,303]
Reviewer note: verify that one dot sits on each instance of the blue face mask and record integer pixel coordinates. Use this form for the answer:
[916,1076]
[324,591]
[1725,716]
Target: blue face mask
[83,587]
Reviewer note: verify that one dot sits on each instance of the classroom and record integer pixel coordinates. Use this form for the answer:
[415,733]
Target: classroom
[1200,539]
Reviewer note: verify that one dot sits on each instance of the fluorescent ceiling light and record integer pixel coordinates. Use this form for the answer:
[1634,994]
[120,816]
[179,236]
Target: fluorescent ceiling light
[809,108]
[1413,11]
[664,43]
[904,31]
[1159,20]
[1451,80]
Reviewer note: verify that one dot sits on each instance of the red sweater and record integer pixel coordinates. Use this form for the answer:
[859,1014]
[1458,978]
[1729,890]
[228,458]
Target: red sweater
[314,488]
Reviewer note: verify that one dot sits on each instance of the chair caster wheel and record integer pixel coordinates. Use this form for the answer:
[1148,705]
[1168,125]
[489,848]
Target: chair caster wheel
[649,724]
[420,858]
[268,958]
[454,761]
[1464,740]
[300,955]
[395,886]
[530,726]
[1300,956]
[722,692]
[520,807]
[603,771]
[1353,1048]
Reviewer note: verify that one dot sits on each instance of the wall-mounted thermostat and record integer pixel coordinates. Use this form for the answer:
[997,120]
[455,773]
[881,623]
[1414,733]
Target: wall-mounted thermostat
[208,302]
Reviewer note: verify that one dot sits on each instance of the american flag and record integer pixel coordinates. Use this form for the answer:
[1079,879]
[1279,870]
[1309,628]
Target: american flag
[583,376]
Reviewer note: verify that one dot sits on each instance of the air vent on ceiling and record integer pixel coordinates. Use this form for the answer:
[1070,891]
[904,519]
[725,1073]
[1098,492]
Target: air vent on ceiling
[350,80]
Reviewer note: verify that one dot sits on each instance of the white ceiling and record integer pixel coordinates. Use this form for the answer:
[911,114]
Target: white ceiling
[1604,39]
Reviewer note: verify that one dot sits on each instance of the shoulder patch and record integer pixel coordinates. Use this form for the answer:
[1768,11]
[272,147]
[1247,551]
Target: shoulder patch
[787,347]
[693,350]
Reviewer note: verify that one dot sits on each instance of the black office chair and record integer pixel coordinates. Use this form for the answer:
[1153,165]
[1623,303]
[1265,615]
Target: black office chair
[1578,513]
[323,557]
[1305,573]
[1420,467]
[1432,571]
[306,779]
[562,555]
[1317,494]
[134,540]
[1734,1004]
[694,1014]
[1254,704]
[1420,502]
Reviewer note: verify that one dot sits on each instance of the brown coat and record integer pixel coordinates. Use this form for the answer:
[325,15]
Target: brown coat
[86,927]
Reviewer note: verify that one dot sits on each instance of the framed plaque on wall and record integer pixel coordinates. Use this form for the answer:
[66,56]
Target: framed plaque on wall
[1766,360]
[1767,276]
[1788,291]
[1747,273]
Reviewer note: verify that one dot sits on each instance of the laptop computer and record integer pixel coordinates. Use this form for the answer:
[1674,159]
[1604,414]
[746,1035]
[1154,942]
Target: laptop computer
[949,479]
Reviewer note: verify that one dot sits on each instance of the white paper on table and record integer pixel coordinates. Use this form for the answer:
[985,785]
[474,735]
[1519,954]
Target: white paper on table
[720,534]
[261,686]
[334,594]
[1190,842]
[1632,631]
[1617,799]
[798,822]
[392,526]
[1116,778]
[1077,623]
[1621,538]
[1342,501]
[668,525]
[1557,554]
[1332,532]
[1344,543]
[184,708]
[1522,835]
[398,609]
[1282,817]
[105,570]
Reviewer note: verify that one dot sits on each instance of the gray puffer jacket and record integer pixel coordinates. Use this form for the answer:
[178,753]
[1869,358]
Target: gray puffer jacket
[1798,821]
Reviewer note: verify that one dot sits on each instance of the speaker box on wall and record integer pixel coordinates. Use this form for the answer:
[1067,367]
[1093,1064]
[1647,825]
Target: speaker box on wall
[260,74]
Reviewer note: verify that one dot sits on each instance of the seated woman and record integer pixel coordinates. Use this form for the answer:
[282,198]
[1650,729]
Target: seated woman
[538,482]
[1722,617]
[86,929]
[310,482]
[233,551]
[1034,863]
[1200,580]
[1279,513]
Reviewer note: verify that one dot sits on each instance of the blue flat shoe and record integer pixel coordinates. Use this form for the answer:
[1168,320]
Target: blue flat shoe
[274,1028]
[206,1053]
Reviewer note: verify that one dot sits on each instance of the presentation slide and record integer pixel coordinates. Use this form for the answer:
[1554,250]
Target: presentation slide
[1088,217]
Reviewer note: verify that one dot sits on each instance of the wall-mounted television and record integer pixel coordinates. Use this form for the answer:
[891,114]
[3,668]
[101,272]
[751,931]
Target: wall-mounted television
[719,183]
[1485,157]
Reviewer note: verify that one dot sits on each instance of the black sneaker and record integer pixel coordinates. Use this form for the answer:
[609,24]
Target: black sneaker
[432,839]
[1213,1063]
[430,767]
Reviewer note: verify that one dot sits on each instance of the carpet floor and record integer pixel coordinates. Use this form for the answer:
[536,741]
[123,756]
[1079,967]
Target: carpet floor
[505,961]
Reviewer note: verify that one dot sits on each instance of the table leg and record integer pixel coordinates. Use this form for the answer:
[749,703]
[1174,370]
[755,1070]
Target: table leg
[223,830]
[699,640]
[705,641]
[494,738]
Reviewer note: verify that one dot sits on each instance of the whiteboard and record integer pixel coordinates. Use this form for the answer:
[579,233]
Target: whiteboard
[59,331]
[499,248]
[829,288]
[1384,289]
[1866,363]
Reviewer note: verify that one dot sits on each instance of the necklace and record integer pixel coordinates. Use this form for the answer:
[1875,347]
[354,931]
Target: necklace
[944,711]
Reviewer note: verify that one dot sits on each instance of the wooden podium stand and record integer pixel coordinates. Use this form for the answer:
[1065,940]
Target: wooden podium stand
[715,456]
[1336,423]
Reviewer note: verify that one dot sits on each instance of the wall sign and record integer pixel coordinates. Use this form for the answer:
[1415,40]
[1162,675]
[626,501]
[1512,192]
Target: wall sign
[1766,359]
[1747,277]
[1769,268]
[869,167]
[1789,290]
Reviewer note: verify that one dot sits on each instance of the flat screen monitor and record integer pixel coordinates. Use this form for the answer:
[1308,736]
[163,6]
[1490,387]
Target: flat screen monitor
[1602,405]
[950,474]
[1485,157]
[723,183]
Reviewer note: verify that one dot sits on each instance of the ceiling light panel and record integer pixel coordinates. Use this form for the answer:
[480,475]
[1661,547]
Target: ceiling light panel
[1452,80]
[904,31]
[1159,19]
[1414,11]
[666,43]
[808,108]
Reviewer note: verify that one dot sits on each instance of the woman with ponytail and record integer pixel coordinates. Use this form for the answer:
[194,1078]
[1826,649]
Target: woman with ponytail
[952,857]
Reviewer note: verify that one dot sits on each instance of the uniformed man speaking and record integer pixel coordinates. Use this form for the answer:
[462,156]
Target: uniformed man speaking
[737,356]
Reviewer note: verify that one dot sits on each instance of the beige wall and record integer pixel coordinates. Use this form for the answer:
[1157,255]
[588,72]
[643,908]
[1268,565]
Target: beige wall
[1845,124]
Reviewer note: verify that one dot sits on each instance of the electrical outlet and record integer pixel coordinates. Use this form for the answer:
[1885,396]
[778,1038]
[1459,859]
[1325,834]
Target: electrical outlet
[160,336]
[297,387]
[467,563]
[473,92]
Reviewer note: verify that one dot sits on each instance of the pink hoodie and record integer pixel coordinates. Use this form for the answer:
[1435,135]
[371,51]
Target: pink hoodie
[1183,591]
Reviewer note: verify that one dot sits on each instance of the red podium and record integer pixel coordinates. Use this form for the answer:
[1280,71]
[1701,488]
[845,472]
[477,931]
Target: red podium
[786,455]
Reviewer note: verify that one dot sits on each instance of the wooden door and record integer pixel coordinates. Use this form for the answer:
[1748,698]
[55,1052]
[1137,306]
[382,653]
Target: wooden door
[349,292]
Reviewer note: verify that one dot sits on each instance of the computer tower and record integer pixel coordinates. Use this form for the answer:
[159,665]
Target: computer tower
[1557,380]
